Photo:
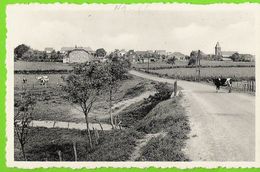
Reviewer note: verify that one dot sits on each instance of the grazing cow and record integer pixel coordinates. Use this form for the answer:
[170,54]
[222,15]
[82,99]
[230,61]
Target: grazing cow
[24,80]
[43,79]
[223,82]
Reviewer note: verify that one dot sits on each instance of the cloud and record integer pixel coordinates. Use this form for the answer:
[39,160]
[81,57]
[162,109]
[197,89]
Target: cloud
[169,30]
[191,31]
[238,37]
[121,40]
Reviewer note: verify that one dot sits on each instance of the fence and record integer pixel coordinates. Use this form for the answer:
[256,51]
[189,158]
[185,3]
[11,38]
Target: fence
[245,86]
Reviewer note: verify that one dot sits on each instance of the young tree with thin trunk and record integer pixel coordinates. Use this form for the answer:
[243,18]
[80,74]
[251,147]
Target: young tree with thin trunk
[22,120]
[115,68]
[84,86]
[171,61]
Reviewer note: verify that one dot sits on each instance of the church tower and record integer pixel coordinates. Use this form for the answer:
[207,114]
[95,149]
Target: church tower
[218,50]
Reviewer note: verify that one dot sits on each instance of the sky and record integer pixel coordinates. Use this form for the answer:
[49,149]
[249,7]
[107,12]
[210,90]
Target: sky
[142,27]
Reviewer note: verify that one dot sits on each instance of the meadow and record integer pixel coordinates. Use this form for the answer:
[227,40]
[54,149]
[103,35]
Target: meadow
[33,83]
[238,73]
[204,63]
[23,65]
[52,105]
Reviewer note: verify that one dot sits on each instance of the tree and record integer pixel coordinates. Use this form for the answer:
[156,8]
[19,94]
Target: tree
[115,71]
[20,50]
[187,57]
[192,61]
[23,118]
[171,61]
[235,57]
[101,52]
[84,86]
[130,52]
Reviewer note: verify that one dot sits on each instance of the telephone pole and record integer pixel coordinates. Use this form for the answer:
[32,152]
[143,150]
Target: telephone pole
[198,66]
[148,62]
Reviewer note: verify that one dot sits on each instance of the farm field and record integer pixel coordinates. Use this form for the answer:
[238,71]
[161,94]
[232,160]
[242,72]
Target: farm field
[185,63]
[235,72]
[33,83]
[23,65]
[52,106]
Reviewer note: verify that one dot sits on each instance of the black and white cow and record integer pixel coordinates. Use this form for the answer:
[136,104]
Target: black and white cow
[43,79]
[227,82]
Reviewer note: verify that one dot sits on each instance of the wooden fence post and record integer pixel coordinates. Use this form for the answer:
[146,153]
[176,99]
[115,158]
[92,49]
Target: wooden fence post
[94,132]
[100,126]
[46,157]
[75,151]
[175,88]
[59,153]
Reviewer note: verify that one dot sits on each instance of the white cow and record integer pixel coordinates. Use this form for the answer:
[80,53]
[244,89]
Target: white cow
[43,79]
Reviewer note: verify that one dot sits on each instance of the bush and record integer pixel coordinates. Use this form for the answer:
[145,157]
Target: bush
[167,117]
[136,90]
[138,111]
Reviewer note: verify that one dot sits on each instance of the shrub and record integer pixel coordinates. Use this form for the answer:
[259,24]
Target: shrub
[138,111]
[167,117]
[136,90]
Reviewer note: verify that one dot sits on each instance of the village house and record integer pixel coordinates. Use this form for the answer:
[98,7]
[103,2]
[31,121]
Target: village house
[248,57]
[145,56]
[177,55]
[161,52]
[78,55]
[122,53]
[49,50]
[64,50]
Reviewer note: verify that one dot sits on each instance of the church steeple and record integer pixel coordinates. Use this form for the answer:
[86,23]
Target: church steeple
[218,50]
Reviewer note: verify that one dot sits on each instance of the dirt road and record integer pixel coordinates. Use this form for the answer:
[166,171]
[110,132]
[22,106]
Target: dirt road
[222,124]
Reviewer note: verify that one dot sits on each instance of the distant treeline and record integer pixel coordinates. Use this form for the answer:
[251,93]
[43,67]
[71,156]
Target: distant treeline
[26,53]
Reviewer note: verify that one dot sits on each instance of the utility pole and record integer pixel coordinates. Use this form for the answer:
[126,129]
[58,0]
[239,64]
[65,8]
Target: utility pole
[148,62]
[198,66]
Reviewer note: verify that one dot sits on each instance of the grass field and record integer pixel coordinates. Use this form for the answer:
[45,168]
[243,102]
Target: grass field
[115,145]
[33,83]
[52,106]
[161,65]
[44,144]
[22,65]
[234,72]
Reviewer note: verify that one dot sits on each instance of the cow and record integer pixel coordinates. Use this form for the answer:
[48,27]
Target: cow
[223,82]
[43,79]
[24,80]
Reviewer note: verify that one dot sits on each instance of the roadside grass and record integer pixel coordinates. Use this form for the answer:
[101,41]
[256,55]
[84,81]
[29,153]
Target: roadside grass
[137,111]
[135,91]
[44,144]
[168,116]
